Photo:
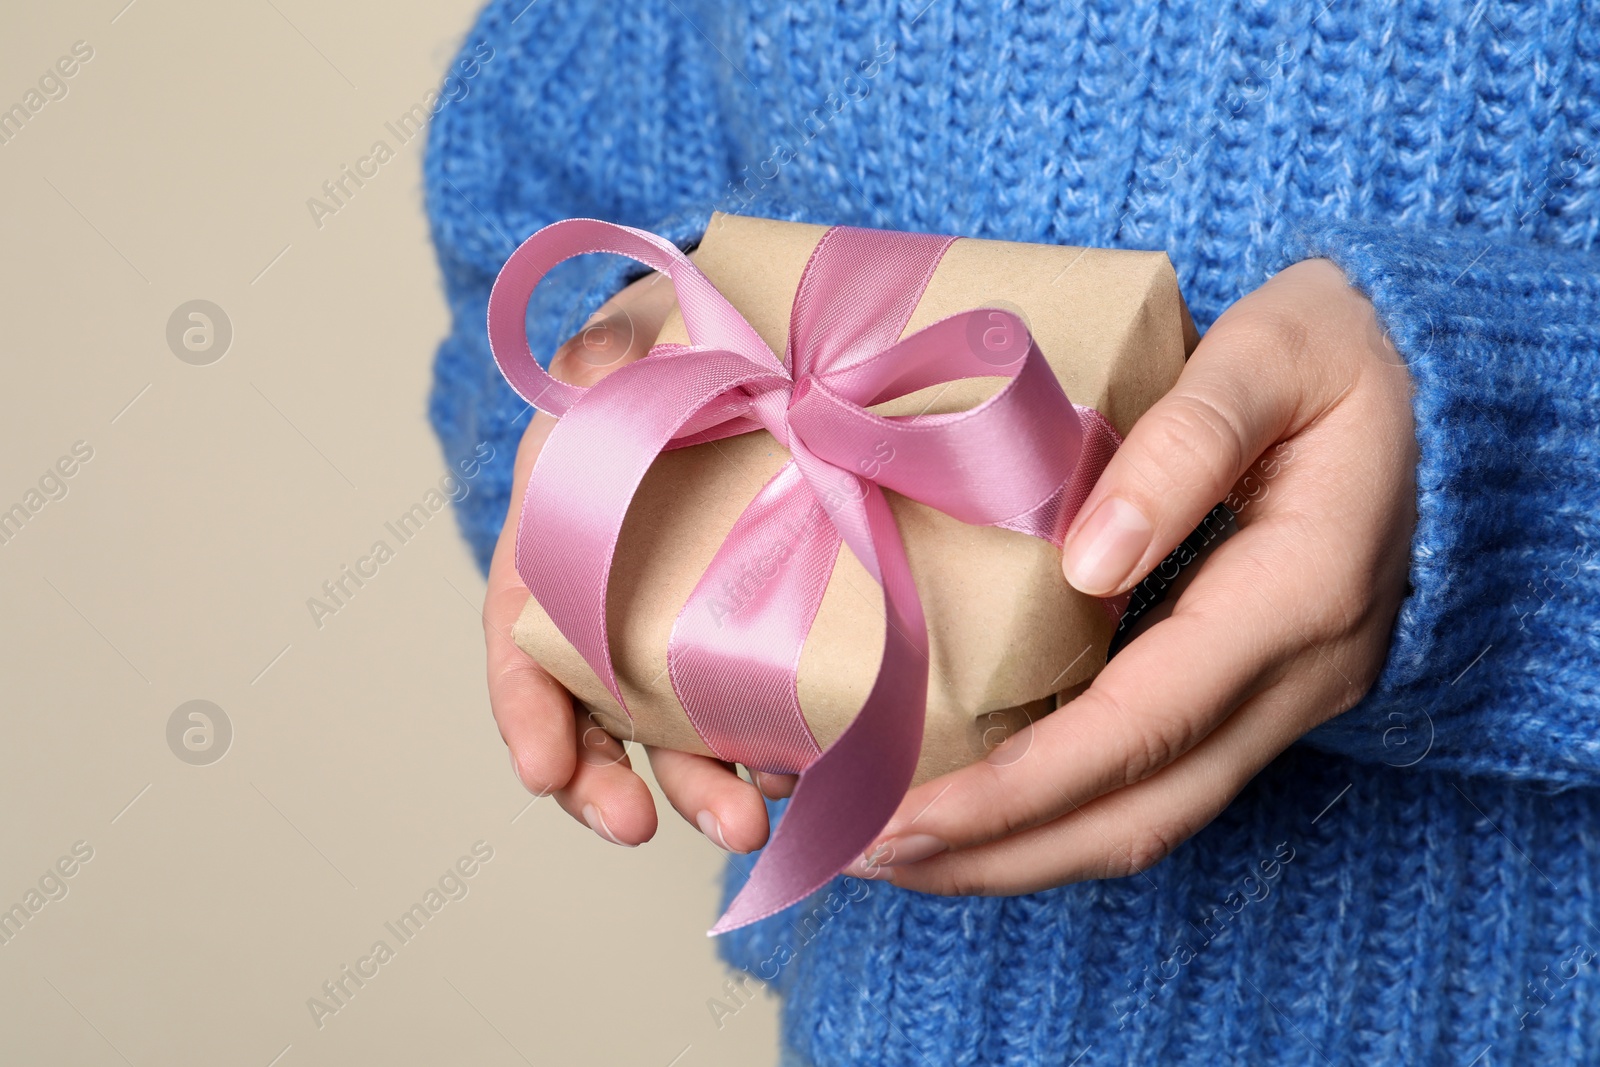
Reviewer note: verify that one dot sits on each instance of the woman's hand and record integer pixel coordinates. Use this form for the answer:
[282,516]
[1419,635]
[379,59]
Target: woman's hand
[1296,404]
[555,747]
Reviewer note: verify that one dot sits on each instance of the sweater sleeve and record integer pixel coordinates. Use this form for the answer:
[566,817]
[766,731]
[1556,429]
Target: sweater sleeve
[1494,665]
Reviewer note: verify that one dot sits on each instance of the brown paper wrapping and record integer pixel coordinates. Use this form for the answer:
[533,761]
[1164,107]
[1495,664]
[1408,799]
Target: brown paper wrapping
[1006,633]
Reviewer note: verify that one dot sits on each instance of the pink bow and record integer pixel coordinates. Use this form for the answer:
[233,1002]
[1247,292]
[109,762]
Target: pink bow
[1024,459]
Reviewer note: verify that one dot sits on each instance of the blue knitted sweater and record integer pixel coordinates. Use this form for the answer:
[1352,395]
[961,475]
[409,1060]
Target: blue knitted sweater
[1415,881]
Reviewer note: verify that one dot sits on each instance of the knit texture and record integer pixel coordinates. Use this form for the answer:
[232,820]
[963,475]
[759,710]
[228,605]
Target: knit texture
[1414,881]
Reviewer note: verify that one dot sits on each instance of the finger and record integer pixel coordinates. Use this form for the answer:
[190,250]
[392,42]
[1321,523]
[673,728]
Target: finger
[775,786]
[604,791]
[620,332]
[1247,386]
[1157,699]
[533,711]
[711,796]
[1126,832]
[531,708]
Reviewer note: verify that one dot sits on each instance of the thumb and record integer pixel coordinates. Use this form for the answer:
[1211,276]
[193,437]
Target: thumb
[1236,397]
[620,332]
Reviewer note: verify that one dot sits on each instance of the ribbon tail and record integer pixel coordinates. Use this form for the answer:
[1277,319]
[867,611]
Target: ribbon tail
[849,794]
[734,654]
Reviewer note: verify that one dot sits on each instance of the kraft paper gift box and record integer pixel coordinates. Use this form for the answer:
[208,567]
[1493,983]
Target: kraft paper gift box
[1008,636]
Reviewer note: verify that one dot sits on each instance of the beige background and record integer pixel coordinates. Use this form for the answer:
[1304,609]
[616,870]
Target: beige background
[219,498]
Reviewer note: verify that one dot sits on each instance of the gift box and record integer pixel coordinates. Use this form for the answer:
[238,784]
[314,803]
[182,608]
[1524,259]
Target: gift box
[818,528]
[1006,633]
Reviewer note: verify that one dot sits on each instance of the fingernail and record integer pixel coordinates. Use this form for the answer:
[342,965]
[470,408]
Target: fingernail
[869,865]
[912,848]
[516,770]
[712,828]
[597,823]
[1108,546]
[772,786]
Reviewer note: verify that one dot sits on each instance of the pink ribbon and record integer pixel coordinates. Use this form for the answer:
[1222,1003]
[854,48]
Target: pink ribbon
[1024,459]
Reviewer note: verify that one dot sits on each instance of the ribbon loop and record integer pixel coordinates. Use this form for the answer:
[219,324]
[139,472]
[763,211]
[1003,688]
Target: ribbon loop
[710,319]
[963,463]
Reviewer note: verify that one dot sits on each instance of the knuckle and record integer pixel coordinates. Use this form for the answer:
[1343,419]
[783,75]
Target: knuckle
[1335,619]
[1152,747]
[964,880]
[496,607]
[1014,820]
[1349,696]
[1199,443]
[1338,676]
[1273,331]
[512,674]
[1150,742]
[501,610]
[1142,851]
[1006,808]
[1338,616]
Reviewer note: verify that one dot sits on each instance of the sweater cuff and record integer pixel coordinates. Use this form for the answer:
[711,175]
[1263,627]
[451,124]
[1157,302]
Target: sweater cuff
[1491,667]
